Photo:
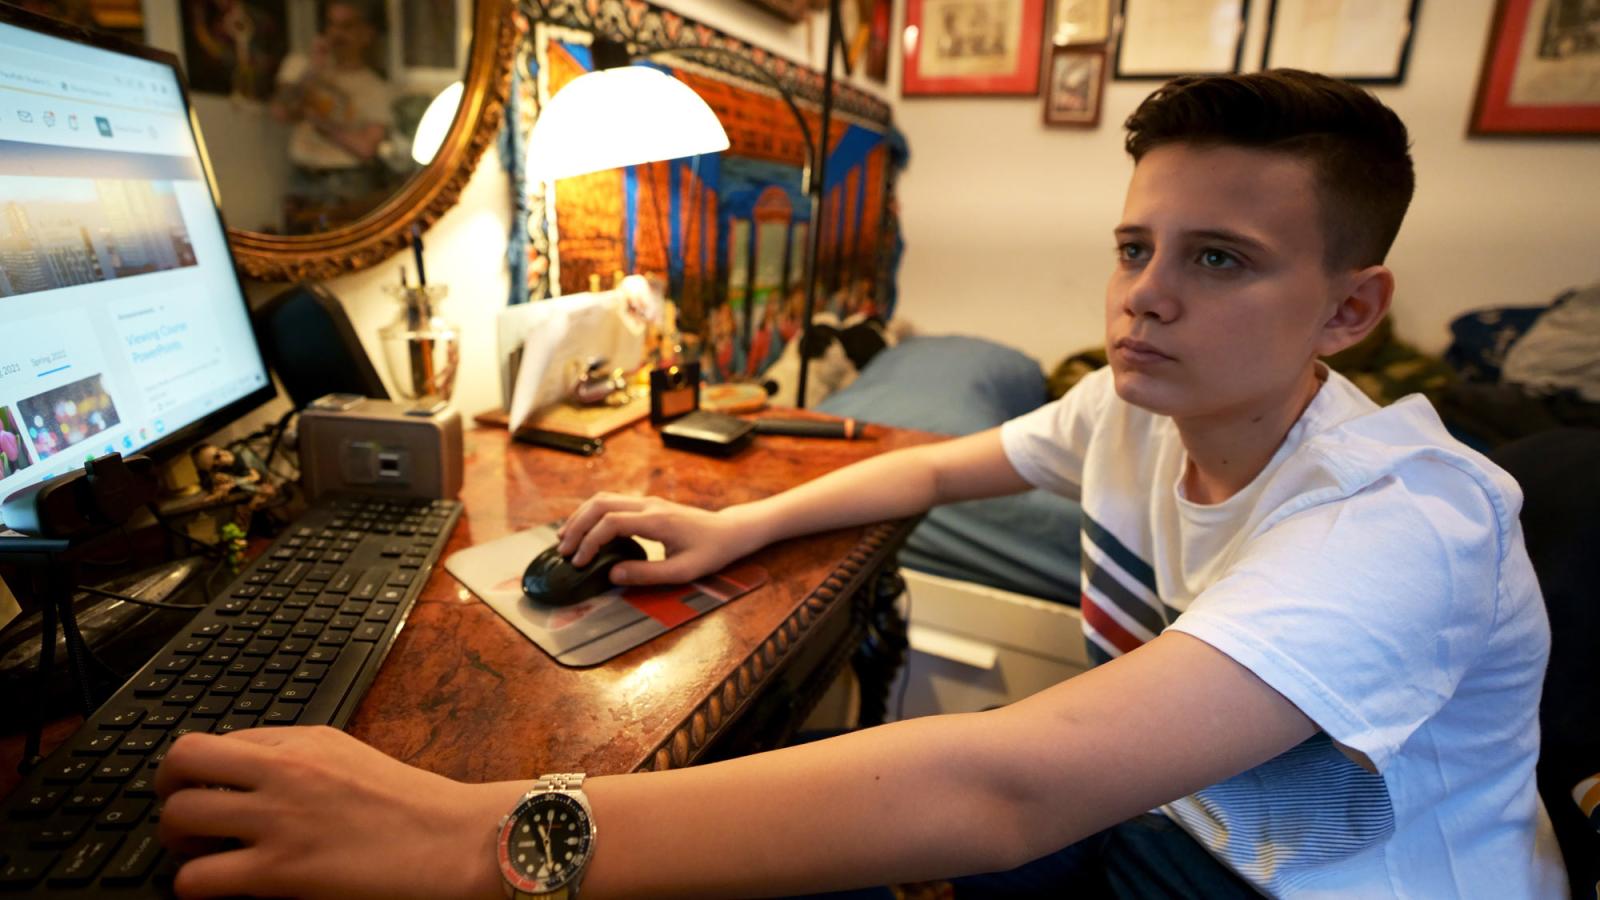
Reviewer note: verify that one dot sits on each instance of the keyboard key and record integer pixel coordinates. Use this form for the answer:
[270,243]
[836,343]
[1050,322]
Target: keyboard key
[126,717]
[281,713]
[310,673]
[402,577]
[296,692]
[117,768]
[23,870]
[88,798]
[244,665]
[295,645]
[161,718]
[175,665]
[212,706]
[60,831]
[292,573]
[381,612]
[209,629]
[321,614]
[321,655]
[306,631]
[183,695]
[193,646]
[141,742]
[132,865]
[259,647]
[252,703]
[246,591]
[343,582]
[235,722]
[98,744]
[79,865]
[203,675]
[142,784]
[69,771]
[344,621]
[123,814]
[322,573]
[280,663]
[267,683]
[229,607]
[370,631]
[41,801]
[229,685]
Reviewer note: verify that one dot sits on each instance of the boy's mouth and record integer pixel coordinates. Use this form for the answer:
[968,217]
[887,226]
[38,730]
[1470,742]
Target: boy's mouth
[1134,350]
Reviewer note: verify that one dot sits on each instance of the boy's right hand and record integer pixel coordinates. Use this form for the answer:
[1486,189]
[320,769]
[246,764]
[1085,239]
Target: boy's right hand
[698,541]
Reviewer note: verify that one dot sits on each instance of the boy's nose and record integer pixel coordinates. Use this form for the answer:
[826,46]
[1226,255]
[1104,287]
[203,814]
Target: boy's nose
[1152,294]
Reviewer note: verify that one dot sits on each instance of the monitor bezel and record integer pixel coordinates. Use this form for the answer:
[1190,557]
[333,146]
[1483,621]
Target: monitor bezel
[182,439]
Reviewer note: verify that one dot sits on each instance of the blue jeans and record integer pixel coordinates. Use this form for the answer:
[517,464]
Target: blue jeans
[1144,857]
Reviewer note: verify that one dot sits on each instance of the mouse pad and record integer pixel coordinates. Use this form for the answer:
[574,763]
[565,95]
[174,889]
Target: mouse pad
[591,632]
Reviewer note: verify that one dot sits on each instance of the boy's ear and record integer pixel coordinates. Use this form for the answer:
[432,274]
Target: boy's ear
[1364,303]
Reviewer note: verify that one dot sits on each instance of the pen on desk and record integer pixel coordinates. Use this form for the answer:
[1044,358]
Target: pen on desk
[556,440]
[416,250]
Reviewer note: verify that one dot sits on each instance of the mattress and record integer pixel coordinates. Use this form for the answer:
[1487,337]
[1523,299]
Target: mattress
[959,385]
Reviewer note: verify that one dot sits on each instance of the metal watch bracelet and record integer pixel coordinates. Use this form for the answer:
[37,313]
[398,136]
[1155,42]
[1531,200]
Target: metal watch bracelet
[561,782]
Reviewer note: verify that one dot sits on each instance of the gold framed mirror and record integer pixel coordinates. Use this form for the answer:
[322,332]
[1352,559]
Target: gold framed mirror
[426,196]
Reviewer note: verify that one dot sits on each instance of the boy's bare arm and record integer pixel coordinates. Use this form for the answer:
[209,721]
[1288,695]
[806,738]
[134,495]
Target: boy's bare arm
[901,483]
[921,799]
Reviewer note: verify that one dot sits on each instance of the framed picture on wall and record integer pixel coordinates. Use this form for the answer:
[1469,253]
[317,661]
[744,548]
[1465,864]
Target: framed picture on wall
[1080,22]
[972,47]
[1541,71]
[1365,41]
[1163,39]
[1074,85]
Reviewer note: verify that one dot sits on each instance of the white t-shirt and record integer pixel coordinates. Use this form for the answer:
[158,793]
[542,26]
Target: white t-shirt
[336,97]
[1374,573]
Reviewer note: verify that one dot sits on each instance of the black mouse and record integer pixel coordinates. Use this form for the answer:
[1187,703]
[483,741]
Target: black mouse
[552,580]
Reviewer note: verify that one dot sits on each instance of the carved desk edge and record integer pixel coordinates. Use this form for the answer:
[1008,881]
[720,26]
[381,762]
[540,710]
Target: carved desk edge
[724,703]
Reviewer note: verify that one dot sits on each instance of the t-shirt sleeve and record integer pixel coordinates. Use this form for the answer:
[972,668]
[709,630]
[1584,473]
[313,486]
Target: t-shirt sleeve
[1047,446]
[1364,612]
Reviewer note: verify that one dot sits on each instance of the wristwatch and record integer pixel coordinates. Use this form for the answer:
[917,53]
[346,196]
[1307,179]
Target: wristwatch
[547,840]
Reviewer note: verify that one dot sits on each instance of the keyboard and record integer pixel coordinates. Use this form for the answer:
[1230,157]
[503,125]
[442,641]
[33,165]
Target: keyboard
[295,639]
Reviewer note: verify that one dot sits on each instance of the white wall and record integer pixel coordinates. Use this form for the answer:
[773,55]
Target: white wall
[1008,224]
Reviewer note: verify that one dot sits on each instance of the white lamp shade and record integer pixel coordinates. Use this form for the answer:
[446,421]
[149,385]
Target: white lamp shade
[620,117]
[435,124]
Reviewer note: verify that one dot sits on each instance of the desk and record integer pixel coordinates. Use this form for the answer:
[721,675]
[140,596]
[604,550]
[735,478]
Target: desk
[464,694]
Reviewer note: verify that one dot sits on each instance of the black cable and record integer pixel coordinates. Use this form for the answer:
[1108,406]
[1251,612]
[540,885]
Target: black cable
[100,592]
[277,437]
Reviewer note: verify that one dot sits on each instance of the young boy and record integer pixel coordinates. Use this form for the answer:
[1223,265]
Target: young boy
[1321,640]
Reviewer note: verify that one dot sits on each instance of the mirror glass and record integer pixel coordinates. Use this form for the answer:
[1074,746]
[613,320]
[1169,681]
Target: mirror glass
[308,107]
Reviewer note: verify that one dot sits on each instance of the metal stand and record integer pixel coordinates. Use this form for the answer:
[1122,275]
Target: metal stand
[52,564]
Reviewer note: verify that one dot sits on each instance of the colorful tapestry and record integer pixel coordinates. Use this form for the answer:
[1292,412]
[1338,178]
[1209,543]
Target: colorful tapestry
[726,232]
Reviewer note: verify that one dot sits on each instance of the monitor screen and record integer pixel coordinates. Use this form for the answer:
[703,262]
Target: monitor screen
[123,325]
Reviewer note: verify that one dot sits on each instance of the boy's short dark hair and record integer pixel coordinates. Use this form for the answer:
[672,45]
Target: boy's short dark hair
[1357,147]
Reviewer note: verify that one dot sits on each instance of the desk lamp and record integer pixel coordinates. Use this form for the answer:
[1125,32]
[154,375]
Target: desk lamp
[622,114]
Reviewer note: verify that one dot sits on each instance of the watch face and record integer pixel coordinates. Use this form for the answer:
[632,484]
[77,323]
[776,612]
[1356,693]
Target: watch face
[545,842]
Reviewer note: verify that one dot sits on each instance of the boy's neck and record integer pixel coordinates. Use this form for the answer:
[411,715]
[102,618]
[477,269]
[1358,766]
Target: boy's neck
[1227,451]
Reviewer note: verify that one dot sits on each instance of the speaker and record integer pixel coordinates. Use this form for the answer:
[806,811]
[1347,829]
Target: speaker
[309,342]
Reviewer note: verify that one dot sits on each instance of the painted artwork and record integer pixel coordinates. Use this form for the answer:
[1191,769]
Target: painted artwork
[727,232]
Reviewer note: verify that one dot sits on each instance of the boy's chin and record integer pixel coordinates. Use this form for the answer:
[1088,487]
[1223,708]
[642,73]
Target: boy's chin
[1159,396]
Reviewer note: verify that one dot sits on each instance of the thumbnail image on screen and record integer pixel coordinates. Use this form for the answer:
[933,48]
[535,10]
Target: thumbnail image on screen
[13,449]
[67,415]
[60,232]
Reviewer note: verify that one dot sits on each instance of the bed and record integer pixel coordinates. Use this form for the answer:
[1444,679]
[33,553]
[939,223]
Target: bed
[993,583]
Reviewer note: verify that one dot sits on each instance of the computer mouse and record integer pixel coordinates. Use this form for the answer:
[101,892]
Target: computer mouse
[552,580]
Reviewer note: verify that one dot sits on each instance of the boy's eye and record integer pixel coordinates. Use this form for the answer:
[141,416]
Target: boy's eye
[1218,259]
[1130,252]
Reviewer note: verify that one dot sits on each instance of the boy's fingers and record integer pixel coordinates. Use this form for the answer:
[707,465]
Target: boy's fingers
[209,759]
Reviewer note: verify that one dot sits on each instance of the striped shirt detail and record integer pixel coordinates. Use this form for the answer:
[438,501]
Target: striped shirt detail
[1120,606]
[1337,808]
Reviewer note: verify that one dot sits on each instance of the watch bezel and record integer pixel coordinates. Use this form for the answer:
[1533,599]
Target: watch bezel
[523,883]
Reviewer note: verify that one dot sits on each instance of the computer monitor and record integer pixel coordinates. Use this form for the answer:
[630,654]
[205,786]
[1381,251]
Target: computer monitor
[123,324]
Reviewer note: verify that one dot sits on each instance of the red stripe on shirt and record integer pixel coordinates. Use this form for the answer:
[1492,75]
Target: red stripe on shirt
[1119,637]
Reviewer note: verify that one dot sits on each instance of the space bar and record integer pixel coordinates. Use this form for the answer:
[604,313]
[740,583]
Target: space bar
[330,692]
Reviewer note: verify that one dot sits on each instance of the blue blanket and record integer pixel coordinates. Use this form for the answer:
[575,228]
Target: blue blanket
[960,385]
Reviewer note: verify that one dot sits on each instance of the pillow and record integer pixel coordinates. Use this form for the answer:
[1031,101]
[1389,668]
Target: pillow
[950,384]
